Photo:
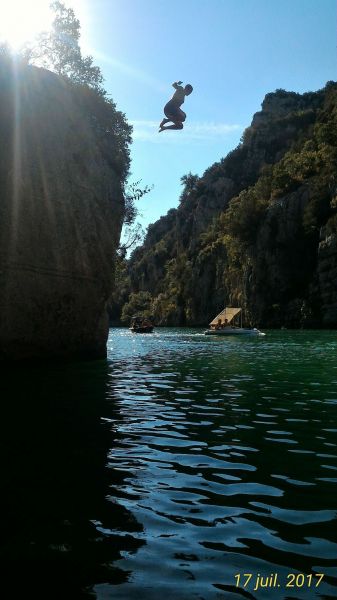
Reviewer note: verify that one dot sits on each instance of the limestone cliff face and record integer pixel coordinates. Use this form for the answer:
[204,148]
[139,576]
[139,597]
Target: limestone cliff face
[61,210]
[247,232]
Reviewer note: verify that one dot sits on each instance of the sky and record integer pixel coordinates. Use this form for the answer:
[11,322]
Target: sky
[233,52]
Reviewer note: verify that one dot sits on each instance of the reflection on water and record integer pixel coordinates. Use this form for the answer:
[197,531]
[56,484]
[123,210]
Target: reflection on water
[178,466]
[231,453]
[60,534]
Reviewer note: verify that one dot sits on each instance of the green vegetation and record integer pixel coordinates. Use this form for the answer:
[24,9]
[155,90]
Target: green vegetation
[59,50]
[139,304]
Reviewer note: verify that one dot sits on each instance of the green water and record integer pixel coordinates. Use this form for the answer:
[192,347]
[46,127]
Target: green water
[185,465]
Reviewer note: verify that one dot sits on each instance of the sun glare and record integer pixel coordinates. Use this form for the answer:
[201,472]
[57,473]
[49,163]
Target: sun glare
[21,20]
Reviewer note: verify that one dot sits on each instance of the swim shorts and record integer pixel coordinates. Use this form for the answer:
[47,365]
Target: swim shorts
[172,111]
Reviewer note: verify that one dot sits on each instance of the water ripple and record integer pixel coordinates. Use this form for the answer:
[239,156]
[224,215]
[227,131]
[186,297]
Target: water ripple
[224,447]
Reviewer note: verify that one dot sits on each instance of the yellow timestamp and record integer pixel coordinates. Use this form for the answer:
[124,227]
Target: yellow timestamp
[272,580]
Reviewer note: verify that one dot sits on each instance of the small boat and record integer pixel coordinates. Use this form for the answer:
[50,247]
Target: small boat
[141,325]
[226,323]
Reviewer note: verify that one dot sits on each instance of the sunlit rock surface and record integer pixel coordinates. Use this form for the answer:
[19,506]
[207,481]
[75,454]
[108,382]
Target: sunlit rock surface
[61,209]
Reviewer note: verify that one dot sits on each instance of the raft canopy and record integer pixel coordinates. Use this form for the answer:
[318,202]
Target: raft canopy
[227,313]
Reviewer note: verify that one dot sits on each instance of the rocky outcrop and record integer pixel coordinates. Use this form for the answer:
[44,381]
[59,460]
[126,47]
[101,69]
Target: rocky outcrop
[61,211]
[247,232]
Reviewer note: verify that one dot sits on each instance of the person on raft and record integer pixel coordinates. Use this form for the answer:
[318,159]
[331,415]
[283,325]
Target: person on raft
[172,109]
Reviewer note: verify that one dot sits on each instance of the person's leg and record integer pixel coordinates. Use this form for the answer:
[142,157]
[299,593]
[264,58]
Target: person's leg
[169,118]
[176,125]
[164,121]
[170,114]
[177,117]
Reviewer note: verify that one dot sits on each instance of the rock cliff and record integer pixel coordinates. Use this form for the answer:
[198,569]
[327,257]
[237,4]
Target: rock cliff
[61,212]
[258,229]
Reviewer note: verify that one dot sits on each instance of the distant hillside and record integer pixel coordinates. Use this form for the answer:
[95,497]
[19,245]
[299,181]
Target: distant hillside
[258,229]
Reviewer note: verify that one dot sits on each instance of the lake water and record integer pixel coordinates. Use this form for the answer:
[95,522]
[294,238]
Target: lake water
[185,466]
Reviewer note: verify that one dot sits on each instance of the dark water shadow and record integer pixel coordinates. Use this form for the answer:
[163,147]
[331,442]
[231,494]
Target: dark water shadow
[59,531]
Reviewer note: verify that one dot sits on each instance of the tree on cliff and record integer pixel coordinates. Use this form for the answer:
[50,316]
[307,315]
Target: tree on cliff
[140,303]
[59,50]
[190,183]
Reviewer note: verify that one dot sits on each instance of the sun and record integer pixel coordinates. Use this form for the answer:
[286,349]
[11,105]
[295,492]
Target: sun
[21,20]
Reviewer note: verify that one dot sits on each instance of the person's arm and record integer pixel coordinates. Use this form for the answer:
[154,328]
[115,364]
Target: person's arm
[176,84]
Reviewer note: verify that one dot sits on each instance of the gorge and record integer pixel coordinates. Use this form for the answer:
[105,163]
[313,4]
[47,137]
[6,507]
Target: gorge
[257,230]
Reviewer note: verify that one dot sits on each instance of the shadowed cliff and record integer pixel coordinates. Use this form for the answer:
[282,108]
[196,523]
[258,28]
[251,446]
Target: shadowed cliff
[257,230]
[63,161]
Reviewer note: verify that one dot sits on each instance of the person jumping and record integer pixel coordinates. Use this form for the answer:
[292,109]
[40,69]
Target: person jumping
[172,109]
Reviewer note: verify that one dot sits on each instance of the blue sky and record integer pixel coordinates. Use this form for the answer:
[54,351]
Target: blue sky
[233,52]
